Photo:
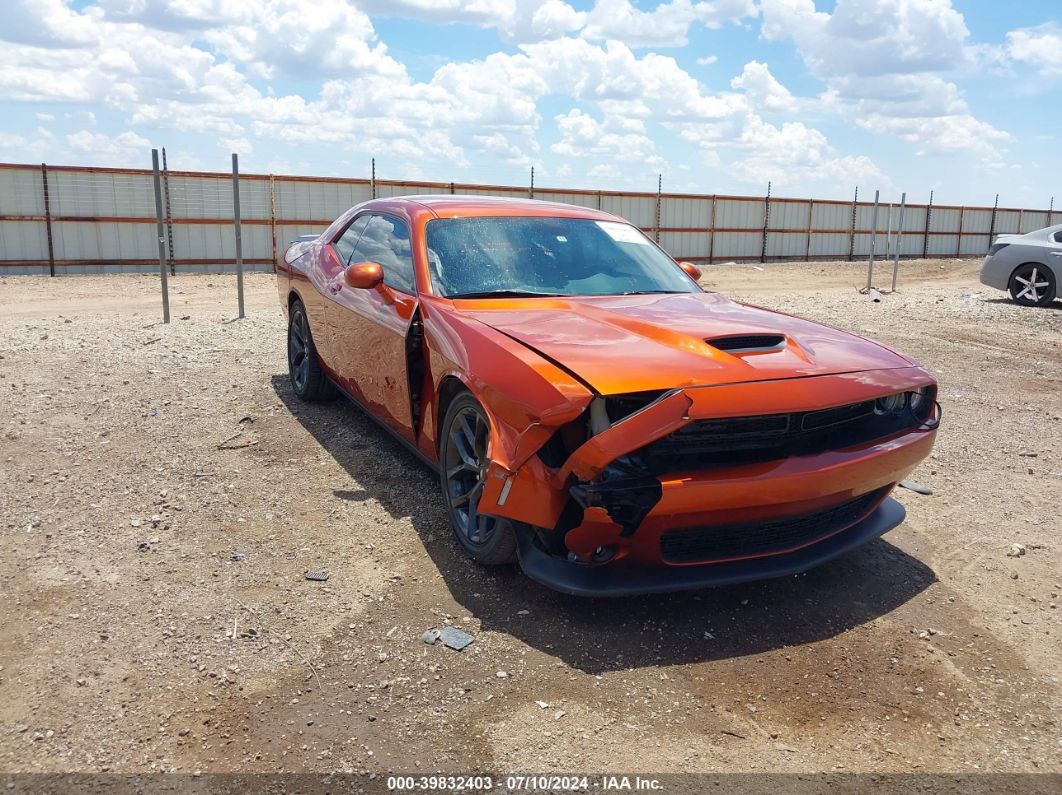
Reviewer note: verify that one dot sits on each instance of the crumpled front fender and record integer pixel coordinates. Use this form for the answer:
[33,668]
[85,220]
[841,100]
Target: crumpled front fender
[525,396]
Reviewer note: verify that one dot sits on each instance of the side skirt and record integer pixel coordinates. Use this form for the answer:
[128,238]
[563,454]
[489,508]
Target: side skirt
[390,431]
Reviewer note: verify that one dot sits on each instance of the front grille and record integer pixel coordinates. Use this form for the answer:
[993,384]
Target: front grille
[767,537]
[733,441]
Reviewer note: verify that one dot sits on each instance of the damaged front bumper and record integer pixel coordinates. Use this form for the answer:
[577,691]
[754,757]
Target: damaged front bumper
[624,578]
[613,526]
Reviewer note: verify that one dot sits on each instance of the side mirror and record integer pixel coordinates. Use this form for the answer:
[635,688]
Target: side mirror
[691,270]
[363,275]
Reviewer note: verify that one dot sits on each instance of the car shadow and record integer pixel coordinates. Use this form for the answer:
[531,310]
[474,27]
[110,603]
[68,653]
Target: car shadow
[1056,304]
[597,635]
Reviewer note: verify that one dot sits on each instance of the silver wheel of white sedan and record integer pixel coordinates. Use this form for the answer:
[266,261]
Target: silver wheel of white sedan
[1032,285]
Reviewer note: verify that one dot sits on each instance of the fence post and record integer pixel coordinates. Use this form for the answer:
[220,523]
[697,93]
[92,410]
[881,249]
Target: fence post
[48,221]
[958,244]
[169,214]
[766,222]
[372,181]
[811,212]
[239,231]
[451,189]
[711,233]
[992,224]
[851,228]
[659,187]
[1051,212]
[599,200]
[273,218]
[873,241]
[160,236]
[925,237]
[1021,219]
[531,189]
[899,241]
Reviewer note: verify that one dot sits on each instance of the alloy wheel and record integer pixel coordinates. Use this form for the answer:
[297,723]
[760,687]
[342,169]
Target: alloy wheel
[465,463]
[298,359]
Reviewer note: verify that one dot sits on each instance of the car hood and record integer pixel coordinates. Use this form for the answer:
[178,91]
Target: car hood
[624,344]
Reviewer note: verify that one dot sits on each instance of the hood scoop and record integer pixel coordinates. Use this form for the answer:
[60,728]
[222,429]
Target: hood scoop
[748,343]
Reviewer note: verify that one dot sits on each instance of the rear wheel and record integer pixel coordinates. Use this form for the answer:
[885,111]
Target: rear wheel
[1032,284]
[463,475]
[308,380]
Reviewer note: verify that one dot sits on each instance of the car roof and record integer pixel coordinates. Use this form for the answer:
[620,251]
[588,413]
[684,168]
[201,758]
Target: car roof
[450,206]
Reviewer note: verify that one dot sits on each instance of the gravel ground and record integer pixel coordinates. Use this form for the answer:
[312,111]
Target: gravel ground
[162,495]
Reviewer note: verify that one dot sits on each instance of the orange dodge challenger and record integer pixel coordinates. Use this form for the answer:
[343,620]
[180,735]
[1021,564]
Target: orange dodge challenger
[590,410]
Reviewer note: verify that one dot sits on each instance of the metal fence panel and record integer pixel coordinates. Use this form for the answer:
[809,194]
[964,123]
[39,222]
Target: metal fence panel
[738,214]
[977,221]
[830,245]
[23,240]
[788,245]
[580,199]
[1031,220]
[789,215]
[685,245]
[639,210]
[1007,222]
[86,194]
[303,200]
[830,216]
[973,245]
[738,245]
[103,219]
[945,219]
[685,213]
[21,191]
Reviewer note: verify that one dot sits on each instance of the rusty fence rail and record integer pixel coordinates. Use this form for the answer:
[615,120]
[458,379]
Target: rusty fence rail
[70,219]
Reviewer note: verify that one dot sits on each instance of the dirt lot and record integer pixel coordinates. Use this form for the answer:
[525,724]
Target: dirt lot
[156,617]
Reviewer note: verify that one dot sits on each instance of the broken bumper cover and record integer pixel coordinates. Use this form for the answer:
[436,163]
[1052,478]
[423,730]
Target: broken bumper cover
[627,578]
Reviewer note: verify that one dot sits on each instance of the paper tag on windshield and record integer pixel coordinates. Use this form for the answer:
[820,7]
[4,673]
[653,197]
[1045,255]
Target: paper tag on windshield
[622,233]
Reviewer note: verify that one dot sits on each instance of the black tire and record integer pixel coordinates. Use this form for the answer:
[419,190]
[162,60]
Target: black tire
[465,436]
[308,380]
[1032,284]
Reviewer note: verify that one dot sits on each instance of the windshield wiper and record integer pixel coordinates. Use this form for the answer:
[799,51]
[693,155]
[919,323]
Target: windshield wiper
[651,292]
[504,294]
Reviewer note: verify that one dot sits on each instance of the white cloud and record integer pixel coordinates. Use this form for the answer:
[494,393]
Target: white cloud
[1040,47]
[762,89]
[614,139]
[707,60]
[196,67]
[883,63]
[123,148]
[667,25]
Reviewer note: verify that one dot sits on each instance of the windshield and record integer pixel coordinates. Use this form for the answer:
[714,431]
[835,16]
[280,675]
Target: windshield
[480,257]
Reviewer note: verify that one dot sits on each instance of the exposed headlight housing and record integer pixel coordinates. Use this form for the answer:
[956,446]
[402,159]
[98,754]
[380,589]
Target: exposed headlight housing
[891,404]
[921,402]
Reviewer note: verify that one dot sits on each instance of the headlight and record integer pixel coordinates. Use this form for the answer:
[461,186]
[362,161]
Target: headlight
[891,404]
[921,402]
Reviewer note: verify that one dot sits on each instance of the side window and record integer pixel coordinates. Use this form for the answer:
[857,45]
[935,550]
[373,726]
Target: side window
[349,239]
[386,241]
[1058,237]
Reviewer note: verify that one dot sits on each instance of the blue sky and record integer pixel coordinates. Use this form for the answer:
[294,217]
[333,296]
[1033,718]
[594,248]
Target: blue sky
[959,97]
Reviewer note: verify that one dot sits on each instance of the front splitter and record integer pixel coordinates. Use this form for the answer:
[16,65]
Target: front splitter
[621,579]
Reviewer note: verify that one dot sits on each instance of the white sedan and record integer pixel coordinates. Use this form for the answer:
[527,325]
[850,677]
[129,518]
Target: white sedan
[1027,266]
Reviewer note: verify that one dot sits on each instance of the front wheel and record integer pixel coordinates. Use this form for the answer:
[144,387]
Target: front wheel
[463,475]
[308,380]
[1032,284]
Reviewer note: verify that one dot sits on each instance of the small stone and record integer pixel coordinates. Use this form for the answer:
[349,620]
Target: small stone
[1016,550]
[502,674]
